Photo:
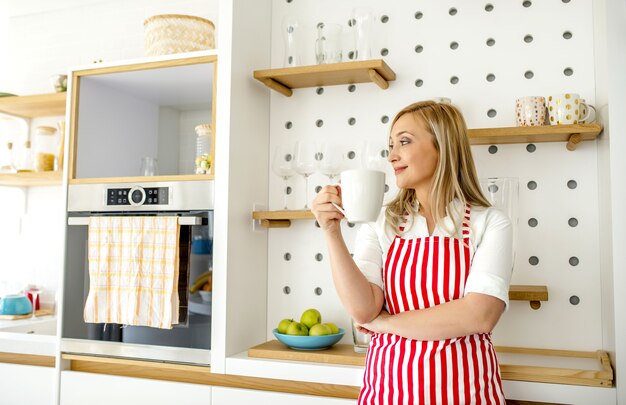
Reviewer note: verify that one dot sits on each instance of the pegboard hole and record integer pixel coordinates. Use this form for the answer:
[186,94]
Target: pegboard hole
[573,261]
[452,11]
[574,300]
[565,1]
[318,189]
[572,184]
[493,188]
[454,45]
[568,71]
[384,52]
[528,38]
[530,148]
[488,7]
[350,225]
[384,119]
[454,80]
[351,155]
[493,149]
[351,55]
[351,88]
[491,77]
[491,42]
[319,123]
[532,222]
[419,83]
[567,35]
[288,124]
[386,187]
[527,3]
[529,74]
[319,257]
[533,260]
[317,224]
[351,121]
[286,290]
[317,291]
[532,185]
[319,91]
[289,1]
[419,15]
[384,19]
[288,190]
[419,49]
[492,113]
[573,222]
[287,256]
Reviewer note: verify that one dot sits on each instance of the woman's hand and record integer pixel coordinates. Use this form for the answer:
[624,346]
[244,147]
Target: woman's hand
[327,216]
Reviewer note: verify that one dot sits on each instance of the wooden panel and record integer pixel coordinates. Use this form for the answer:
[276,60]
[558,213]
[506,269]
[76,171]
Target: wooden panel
[42,105]
[528,293]
[143,179]
[27,359]
[284,214]
[202,375]
[28,179]
[546,133]
[40,312]
[326,75]
[336,354]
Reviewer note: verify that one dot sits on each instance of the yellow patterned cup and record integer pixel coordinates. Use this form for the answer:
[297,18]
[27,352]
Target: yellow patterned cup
[530,111]
[568,108]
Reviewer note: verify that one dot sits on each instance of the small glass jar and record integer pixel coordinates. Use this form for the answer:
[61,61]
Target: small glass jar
[203,149]
[46,148]
[25,162]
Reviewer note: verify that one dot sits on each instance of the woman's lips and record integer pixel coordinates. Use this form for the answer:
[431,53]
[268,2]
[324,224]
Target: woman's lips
[398,170]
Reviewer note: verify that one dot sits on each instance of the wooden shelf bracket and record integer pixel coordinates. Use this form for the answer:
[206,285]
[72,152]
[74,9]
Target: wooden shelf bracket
[573,141]
[534,294]
[378,79]
[274,85]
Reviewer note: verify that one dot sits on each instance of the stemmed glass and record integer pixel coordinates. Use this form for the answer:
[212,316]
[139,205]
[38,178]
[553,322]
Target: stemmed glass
[305,164]
[34,291]
[375,154]
[331,161]
[282,165]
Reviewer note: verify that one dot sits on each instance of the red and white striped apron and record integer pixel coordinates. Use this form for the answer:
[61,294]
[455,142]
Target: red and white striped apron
[420,273]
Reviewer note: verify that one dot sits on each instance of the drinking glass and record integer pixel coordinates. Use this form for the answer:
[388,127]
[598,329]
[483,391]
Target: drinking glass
[282,165]
[361,340]
[291,36]
[149,166]
[328,43]
[375,154]
[362,22]
[34,291]
[331,161]
[306,164]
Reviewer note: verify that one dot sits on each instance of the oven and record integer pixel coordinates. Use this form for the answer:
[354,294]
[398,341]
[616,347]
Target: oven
[188,341]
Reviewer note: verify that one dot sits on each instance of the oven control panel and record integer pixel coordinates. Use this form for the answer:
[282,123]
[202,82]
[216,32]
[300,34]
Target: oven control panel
[136,196]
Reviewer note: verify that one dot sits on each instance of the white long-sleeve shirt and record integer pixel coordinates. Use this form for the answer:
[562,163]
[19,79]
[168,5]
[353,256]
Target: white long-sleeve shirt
[490,246]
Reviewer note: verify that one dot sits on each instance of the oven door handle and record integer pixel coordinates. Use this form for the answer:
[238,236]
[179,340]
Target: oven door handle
[84,221]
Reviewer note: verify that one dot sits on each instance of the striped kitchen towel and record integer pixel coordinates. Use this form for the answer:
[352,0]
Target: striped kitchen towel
[133,271]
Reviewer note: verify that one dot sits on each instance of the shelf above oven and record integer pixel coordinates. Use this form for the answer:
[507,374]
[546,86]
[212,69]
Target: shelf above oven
[73,221]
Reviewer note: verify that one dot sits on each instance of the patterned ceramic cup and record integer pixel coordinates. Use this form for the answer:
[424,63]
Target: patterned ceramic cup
[568,108]
[530,111]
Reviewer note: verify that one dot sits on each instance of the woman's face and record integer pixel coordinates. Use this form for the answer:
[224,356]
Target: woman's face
[412,153]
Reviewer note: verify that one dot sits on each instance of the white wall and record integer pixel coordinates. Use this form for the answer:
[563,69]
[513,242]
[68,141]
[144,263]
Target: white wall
[40,38]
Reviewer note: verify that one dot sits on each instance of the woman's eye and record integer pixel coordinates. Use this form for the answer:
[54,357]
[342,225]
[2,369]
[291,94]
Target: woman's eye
[404,142]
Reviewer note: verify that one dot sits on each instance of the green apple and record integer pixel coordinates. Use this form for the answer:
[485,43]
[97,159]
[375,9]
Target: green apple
[320,329]
[283,325]
[333,328]
[297,329]
[311,317]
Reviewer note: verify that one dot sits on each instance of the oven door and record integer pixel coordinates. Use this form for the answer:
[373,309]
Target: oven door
[189,341]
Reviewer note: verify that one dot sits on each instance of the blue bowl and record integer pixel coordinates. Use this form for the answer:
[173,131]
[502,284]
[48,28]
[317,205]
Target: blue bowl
[309,342]
[15,304]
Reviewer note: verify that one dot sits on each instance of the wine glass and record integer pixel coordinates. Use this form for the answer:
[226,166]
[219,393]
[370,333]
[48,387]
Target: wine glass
[282,165]
[375,154]
[33,290]
[305,164]
[331,161]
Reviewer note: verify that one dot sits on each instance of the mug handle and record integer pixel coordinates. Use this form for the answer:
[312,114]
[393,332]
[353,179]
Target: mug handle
[589,107]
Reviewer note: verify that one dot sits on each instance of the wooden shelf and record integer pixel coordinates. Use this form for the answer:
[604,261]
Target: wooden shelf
[31,179]
[516,363]
[285,79]
[280,219]
[572,134]
[532,293]
[42,105]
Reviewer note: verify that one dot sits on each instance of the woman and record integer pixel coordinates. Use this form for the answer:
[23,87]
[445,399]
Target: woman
[429,279]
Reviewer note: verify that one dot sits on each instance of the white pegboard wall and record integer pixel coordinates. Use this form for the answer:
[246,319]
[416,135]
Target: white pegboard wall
[510,59]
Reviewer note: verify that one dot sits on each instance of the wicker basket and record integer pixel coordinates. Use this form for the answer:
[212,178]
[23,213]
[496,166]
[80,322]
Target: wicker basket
[171,33]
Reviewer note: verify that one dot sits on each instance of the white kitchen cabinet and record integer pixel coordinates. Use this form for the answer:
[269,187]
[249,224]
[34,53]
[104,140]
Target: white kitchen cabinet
[78,388]
[235,396]
[21,384]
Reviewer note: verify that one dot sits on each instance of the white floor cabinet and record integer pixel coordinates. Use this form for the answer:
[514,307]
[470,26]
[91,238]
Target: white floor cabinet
[20,384]
[236,396]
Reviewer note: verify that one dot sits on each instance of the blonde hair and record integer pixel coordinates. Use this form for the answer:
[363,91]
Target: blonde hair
[455,174]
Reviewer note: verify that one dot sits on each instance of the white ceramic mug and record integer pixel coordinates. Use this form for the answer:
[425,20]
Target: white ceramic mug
[530,111]
[362,194]
[568,108]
